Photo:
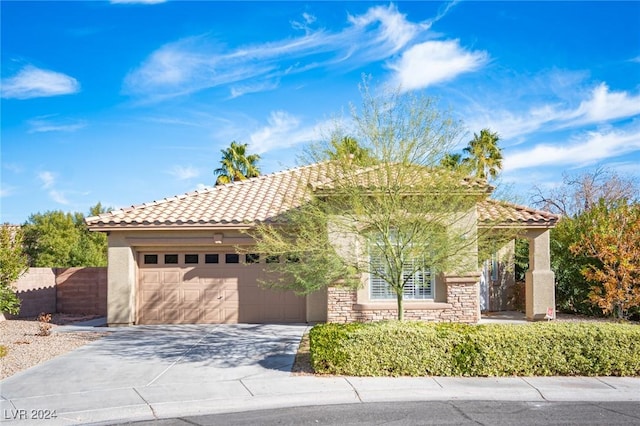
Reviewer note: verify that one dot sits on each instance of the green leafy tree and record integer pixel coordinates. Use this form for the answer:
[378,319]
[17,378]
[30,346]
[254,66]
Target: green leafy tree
[572,289]
[13,263]
[59,239]
[612,236]
[399,221]
[236,164]
[483,155]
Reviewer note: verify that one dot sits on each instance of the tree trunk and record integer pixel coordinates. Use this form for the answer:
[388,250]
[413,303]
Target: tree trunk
[400,298]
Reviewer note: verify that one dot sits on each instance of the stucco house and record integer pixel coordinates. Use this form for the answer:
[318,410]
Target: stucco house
[177,261]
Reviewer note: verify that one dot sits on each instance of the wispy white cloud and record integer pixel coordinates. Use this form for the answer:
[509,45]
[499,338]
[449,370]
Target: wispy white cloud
[32,82]
[284,130]
[6,191]
[432,62]
[45,124]
[594,106]
[586,149]
[13,167]
[197,63]
[393,31]
[307,20]
[604,105]
[47,179]
[58,197]
[243,89]
[184,172]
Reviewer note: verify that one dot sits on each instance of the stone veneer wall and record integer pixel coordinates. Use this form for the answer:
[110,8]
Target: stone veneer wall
[462,305]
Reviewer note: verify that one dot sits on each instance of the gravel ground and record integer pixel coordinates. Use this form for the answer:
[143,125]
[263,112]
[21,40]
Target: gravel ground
[25,348]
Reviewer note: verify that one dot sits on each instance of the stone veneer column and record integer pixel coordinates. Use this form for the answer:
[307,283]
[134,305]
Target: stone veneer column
[539,279]
[340,301]
[463,293]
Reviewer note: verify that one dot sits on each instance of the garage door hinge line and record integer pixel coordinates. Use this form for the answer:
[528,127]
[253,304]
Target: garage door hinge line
[175,362]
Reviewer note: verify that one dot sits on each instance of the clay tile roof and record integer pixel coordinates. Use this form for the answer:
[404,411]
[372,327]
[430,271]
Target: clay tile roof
[507,214]
[263,199]
[259,199]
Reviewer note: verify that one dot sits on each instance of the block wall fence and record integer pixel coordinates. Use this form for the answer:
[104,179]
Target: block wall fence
[77,291]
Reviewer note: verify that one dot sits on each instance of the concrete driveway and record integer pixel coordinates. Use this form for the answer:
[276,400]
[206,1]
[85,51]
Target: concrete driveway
[135,366]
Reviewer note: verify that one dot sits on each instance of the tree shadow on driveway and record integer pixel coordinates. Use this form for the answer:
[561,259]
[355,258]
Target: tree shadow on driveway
[272,346]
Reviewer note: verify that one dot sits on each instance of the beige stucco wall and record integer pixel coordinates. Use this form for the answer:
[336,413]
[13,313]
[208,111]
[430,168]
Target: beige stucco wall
[121,278]
[539,279]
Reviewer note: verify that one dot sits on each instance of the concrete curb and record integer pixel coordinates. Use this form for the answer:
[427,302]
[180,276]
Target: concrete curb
[157,402]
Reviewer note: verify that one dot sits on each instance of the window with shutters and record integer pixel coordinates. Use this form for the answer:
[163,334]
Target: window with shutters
[419,282]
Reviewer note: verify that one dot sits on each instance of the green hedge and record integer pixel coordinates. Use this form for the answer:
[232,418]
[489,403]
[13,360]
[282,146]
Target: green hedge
[427,349]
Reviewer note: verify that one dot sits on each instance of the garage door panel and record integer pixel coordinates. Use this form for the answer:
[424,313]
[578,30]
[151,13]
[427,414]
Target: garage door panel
[191,296]
[149,277]
[170,297]
[171,277]
[191,316]
[211,293]
[171,315]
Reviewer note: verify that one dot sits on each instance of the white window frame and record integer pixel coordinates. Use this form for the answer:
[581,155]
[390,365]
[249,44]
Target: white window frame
[379,288]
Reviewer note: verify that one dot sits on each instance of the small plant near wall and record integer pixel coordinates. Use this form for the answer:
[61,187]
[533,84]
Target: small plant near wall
[44,326]
[3,351]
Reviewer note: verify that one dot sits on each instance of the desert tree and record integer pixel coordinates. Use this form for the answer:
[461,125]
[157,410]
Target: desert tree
[399,220]
[13,263]
[577,193]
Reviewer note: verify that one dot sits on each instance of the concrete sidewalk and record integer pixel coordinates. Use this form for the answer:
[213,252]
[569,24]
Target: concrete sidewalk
[146,373]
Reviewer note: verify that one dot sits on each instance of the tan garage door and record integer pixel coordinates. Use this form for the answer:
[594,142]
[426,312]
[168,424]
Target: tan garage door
[208,287]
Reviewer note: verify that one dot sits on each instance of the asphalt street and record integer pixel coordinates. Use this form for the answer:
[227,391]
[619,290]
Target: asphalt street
[494,413]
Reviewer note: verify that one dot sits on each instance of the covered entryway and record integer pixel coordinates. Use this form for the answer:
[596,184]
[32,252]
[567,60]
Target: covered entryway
[209,288]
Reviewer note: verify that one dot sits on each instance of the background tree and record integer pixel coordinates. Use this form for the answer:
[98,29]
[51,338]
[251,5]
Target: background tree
[13,263]
[483,155]
[612,236]
[59,239]
[394,220]
[451,161]
[574,198]
[236,164]
[347,149]
[578,193]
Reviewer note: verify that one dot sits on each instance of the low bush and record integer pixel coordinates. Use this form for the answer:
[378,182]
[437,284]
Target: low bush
[426,349]
[3,351]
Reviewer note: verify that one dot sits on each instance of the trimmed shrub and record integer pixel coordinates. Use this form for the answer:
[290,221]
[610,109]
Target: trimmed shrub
[426,349]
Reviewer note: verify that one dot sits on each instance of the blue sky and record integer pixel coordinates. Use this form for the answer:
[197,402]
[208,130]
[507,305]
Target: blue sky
[127,102]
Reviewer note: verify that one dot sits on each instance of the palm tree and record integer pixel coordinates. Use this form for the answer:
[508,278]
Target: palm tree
[451,161]
[236,164]
[349,148]
[484,154]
